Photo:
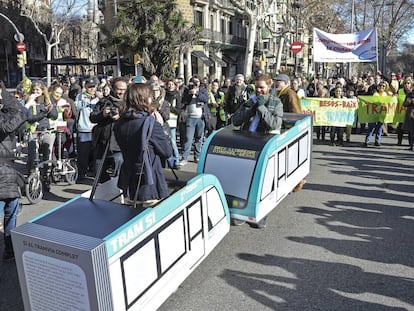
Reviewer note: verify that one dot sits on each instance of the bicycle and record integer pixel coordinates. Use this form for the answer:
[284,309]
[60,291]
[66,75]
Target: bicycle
[44,173]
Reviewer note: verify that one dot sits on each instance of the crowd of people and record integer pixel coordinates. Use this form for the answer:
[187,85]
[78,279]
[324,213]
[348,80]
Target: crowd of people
[375,85]
[133,127]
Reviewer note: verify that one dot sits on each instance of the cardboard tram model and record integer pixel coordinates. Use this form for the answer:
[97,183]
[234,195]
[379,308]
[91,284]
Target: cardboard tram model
[100,254]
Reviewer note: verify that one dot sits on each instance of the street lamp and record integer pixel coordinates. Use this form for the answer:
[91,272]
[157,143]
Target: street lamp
[384,38]
[118,58]
[297,4]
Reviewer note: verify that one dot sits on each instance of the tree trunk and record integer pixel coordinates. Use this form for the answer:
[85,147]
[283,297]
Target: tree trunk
[248,61]
[49,66]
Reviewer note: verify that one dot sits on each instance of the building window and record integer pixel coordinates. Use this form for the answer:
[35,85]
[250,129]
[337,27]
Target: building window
[223,26]
[198,18]
[230,28]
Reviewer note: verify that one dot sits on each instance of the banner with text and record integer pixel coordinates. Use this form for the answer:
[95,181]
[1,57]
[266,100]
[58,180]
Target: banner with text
[385,109]
[345,48]
[331,111]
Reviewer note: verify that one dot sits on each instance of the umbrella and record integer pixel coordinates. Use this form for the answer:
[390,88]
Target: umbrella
[67,60]
[112,62]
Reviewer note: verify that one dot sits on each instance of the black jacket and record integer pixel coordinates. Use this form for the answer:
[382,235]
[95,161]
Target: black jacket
[11,117]
[129,133]
[102,131]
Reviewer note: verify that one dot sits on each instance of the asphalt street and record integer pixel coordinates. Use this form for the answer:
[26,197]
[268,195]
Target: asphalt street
[344,242]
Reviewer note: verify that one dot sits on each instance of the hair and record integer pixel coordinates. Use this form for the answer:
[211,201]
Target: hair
[172,81]
[137,98]
[264,77]
[42,86]
[119,79]
[57,86]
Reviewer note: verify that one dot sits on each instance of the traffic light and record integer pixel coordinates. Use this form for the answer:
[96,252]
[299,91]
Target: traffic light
[175,64]
[21,59]
[137,59]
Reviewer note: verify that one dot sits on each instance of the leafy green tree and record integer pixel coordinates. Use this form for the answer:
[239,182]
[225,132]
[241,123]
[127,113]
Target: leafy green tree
[156,30]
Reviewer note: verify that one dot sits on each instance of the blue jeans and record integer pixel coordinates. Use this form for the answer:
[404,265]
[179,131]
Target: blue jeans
[374,127]
[194,129]
[10,207]
[173,138]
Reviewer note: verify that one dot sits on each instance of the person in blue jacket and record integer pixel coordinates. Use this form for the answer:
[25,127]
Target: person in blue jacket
[144,147]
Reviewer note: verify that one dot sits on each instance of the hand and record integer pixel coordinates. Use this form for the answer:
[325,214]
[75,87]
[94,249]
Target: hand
[48,107]
[261,100]
[107,111]
[33,96]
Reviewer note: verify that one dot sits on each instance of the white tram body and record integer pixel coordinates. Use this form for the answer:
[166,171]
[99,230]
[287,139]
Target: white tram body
[102,255]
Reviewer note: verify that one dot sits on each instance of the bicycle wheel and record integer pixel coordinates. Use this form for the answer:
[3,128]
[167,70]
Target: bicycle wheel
[73,168]
[34,188]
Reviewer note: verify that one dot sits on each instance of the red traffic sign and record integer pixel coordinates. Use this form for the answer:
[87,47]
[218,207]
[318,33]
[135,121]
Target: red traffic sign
[21,46]
[296,46]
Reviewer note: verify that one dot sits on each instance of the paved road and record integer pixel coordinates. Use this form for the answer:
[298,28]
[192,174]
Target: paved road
[342,243]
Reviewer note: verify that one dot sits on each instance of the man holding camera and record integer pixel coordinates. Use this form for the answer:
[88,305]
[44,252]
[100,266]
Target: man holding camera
[104,115]
[194,99]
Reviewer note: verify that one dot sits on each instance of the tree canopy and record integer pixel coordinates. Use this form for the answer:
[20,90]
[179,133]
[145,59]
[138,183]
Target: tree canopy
[156,30]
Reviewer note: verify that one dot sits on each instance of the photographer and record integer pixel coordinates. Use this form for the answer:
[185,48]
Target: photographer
[10,120]
[194,98]
[104,115]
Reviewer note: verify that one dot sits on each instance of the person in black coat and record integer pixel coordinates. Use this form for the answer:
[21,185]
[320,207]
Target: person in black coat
[105,115]
[10,121]
[137,131]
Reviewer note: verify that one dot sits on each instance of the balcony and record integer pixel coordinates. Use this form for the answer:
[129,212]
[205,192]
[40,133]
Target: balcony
[215,37]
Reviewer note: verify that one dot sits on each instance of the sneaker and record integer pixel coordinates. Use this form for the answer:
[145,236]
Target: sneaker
[364,145]
[377,144]
[196,160]
[183,162]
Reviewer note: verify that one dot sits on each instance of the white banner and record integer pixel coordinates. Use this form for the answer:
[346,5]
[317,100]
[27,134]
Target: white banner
[355,47]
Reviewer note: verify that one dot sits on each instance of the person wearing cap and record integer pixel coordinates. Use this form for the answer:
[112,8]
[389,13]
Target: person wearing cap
[289,98]
[85,102]
[105,113]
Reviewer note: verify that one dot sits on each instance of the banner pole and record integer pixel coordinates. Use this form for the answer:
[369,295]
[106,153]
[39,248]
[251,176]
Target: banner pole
[376,43]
